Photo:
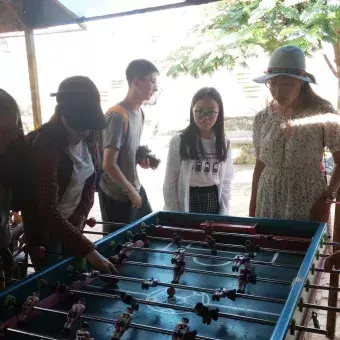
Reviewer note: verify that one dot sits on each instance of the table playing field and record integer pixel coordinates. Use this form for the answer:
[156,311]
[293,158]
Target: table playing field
[261,312]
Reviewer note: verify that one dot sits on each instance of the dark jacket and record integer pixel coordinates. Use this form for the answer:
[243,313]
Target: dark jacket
[52,170]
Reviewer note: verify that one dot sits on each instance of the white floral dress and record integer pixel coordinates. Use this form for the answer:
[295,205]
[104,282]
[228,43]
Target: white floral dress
[292,181]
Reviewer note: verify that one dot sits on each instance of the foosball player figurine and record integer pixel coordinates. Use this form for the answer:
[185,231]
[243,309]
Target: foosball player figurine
[83,333]
[238,261]
[28,306]
[171,291]
[182,331]
[208,231]
[141,235]
[251,249]
[150,283]
[179,268]
[211,244]
[223,293]
[73,315]
[246,276]
[177,240]
[3,328]
[176,254]
[129,300]
[121,257]
[205,313]
[122,324]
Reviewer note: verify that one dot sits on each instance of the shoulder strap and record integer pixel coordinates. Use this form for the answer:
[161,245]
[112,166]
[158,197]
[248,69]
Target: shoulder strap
[120,111]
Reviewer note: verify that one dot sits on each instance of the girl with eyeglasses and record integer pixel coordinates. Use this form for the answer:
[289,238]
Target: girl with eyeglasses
[199,167]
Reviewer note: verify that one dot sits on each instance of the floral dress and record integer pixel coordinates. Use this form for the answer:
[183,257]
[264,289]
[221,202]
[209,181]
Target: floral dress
[292,152]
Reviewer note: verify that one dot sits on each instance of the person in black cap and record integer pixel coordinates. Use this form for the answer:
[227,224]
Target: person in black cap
[64,158]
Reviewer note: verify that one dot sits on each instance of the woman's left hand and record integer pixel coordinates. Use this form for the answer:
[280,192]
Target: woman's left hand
[320,210]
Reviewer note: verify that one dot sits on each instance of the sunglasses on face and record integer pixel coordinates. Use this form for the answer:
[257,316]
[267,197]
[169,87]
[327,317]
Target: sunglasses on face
[200,114]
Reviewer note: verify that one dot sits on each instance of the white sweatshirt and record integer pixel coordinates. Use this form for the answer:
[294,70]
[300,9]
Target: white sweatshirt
[177,180]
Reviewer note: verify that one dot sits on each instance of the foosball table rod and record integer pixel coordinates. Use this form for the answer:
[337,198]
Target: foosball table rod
[191,288]
[308,329]
[30,334]
[205,272]
[102,233]
[110,321]
[225,245]
[176,307]
[212,257]
[228,234]
[311,305]
[322,287]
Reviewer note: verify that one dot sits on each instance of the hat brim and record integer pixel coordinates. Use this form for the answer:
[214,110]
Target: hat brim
[263,79]
[86,118]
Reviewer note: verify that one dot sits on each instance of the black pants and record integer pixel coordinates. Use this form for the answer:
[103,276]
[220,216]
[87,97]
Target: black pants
[122,211]
[204,200]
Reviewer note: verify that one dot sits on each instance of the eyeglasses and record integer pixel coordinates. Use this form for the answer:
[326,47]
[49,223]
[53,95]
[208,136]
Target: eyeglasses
[284,85]
[201,114]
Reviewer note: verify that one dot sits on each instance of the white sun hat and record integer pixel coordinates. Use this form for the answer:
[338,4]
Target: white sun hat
[289,61]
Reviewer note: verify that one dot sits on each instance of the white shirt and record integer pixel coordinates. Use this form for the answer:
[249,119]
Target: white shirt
[177,180]
[83,168]
[205,172]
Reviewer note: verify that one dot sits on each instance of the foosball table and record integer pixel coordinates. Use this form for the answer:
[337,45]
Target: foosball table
[181,276]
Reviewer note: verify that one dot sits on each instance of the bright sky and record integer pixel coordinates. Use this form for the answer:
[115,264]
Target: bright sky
[89,8]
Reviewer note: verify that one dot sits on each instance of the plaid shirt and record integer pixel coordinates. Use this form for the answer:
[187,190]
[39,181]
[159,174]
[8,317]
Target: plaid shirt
[52,172]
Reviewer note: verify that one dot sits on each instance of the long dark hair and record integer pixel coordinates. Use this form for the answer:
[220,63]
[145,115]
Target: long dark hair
[190,142]
[8,106]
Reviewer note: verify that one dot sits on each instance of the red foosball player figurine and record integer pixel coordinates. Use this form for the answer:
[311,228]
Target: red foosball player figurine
[238,261]
[246,276]
[138,236]
[205,313]
[83,333]
[73,315]
[121,257]
[3,328]
[223,293]
[179,268]
[150,283]
[211,244]
[28,306]
[208,231]
[176,254]
[182,331]
[177,239]
[122,324]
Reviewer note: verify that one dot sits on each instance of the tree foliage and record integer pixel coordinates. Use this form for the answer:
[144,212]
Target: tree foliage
[238,30]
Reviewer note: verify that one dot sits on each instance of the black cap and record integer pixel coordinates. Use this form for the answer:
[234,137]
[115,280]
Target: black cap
[79,102]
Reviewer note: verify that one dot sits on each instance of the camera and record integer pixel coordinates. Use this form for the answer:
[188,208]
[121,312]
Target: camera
[144,152]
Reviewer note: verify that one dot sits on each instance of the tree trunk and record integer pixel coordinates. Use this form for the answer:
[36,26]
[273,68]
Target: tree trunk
[336,48]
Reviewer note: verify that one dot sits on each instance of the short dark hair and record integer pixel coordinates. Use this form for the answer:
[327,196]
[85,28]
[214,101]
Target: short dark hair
[139,68]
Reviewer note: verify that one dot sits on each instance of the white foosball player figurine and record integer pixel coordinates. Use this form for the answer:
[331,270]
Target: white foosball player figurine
[83,333]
